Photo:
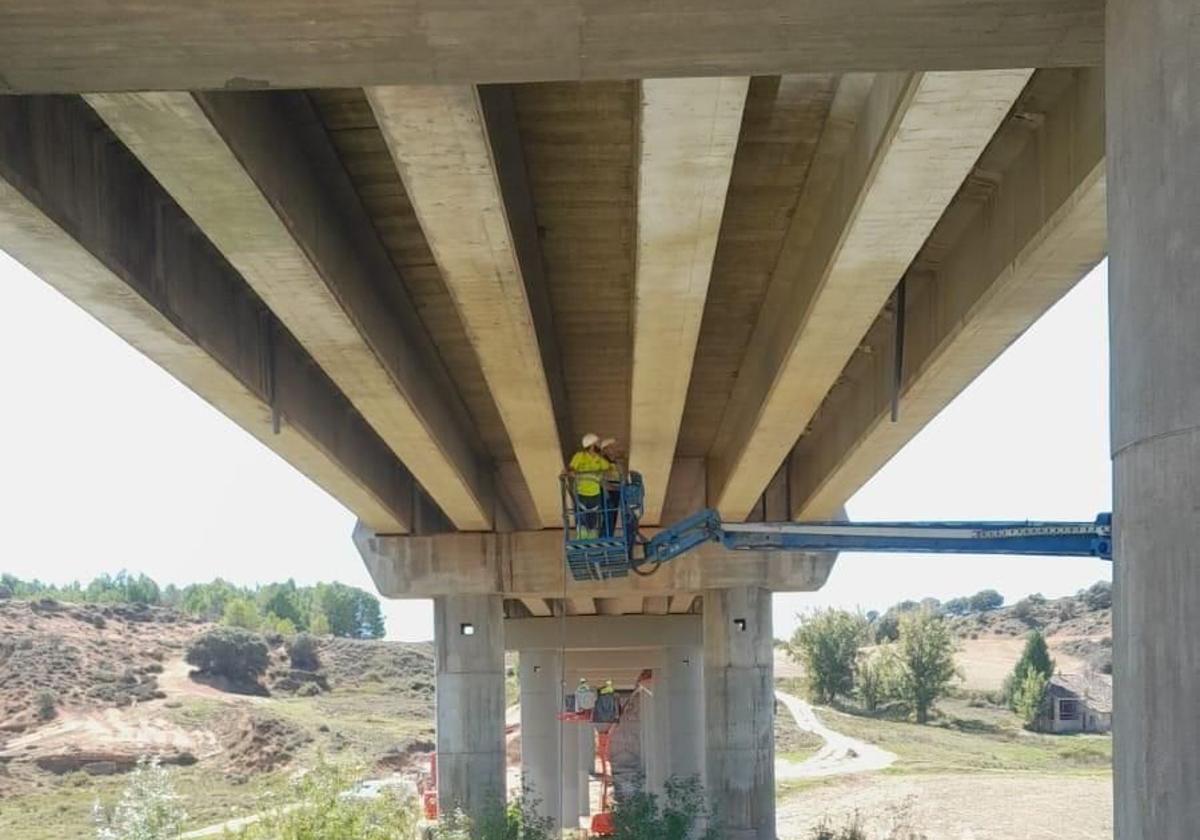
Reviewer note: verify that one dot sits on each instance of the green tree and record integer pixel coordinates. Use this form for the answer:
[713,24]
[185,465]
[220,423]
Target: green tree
[876,677]
[1036,658]
[826,643]
[926,654]
[1029,697]
[284,601]
[149,808]
[241,612]
[319,625]
[351,612]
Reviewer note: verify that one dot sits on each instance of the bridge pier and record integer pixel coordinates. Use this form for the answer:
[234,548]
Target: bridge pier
[1153,75]
[469,654]
[541,675]
[739,710]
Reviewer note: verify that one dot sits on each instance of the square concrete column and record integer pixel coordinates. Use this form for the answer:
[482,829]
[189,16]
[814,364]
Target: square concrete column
[587,765]
[570,775]
[681,692]
[469,653]
[1153,108]
[541,676]
[739,707]
[651,724]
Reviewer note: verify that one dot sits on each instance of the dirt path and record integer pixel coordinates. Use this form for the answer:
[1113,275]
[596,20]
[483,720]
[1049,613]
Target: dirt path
[841,754]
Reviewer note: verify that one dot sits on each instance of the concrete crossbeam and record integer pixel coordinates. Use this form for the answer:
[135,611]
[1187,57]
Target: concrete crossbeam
[1040,232]
[83,45]
[529,564]
[259,177]
[603,633]
[104,233]
[689,133]
[440,139]
[914,143]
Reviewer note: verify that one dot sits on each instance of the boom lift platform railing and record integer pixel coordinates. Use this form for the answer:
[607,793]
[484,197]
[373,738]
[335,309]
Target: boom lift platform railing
[616,547]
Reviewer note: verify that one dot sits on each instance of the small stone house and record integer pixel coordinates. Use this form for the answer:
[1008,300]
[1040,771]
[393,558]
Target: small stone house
[1077,703]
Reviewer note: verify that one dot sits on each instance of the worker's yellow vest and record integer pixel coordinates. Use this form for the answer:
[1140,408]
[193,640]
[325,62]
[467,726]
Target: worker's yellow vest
[589,469]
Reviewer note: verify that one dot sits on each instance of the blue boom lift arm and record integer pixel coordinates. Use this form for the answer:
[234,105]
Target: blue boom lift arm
[621,549]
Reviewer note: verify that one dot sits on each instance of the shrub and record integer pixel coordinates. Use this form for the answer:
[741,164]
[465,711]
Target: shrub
[303,652]
[1098,596]
[684,815]
[851,830]
[1025,610]
[827,643]
[45,704]
[148,809]
[518,820]
[229,652]
[986,599]
[321,806]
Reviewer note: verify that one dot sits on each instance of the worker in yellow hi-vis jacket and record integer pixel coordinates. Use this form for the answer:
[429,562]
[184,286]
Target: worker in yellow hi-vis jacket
[587,469]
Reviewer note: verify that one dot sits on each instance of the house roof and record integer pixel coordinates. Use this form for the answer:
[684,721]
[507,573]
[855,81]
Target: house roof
[1094,688]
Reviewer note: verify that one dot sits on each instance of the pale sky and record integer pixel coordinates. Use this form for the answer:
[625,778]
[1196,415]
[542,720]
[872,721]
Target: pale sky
[108,463]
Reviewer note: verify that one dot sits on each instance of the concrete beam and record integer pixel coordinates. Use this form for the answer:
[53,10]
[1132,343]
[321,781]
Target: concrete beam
[258,175]
[104,233]
[594,633]
[1042,229]
[689,133]
[914,143]
[587,662]
[440,140]
[125,45]
[529,564]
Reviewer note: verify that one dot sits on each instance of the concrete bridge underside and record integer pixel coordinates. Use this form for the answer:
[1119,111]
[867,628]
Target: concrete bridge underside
[419,252]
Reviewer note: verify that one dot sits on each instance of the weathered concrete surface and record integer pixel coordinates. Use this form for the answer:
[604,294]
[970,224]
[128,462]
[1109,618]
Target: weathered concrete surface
[689,133]
[124,45]
[916,139]
[168,293]
[439,139]
[639,635]
[1041,229]
[680,683]
[541,679]
[739,711]
[470,703]
[1153,72]
[285,216]
[530,564]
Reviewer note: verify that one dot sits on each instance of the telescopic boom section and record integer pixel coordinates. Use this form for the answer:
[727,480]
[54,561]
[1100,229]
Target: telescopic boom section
[1048,539]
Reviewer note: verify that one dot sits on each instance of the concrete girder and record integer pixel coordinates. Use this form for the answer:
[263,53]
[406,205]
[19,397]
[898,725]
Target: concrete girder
[1040,232]
[127,45]
[442,142]
[914,142]
[598,633]
[106,235]
[529,564]
[689,133]
[258,175]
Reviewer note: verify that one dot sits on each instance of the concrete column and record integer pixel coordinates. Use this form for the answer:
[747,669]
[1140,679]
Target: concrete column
[541,730]
[739,706]
[1153,109]
[587,763]
[682,691]
[570,776]
[469,642]
[651,724]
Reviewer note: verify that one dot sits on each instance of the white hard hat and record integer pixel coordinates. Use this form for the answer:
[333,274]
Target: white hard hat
[590,440]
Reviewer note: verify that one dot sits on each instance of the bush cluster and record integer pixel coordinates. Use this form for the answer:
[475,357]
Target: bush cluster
[230,652]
